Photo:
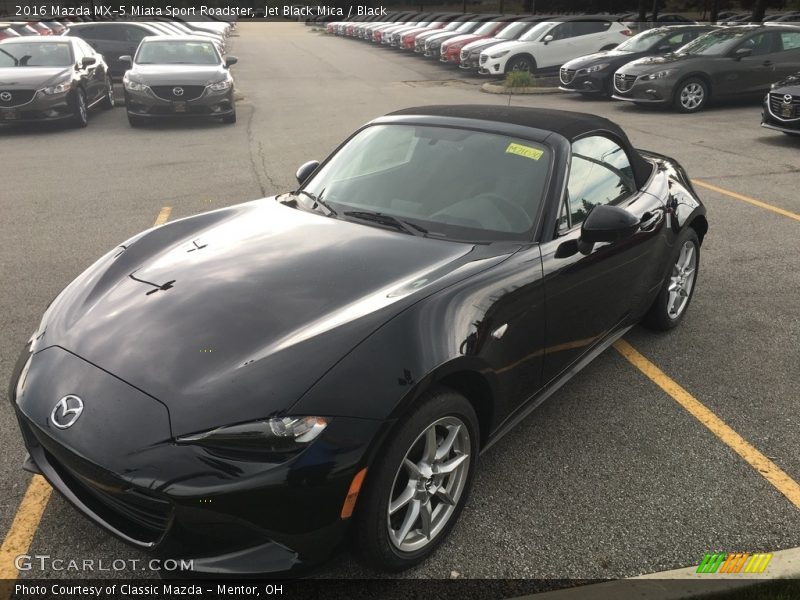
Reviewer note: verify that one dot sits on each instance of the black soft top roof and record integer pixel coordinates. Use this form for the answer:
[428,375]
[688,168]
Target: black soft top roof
[568,124]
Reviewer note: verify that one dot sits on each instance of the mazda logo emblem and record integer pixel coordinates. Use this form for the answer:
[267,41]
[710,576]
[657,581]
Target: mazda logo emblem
[5,96]
[177,91]
[787,98]
[66,412]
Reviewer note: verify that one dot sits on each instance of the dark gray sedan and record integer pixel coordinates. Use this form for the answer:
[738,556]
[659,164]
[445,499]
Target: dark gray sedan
[735,61]
[178,76]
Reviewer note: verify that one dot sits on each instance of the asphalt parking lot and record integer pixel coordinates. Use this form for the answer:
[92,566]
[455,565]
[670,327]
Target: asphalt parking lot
[611,477]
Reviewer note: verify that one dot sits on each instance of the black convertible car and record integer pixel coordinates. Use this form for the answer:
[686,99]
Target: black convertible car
[241,386]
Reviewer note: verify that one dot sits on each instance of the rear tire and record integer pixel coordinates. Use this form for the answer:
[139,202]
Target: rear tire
[408,474]
[676,293]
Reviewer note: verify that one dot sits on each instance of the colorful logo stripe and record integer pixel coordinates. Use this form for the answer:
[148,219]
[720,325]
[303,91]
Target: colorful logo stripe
[734,562]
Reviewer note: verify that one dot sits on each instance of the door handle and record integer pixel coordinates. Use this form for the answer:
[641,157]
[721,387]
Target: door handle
[650,220]
[767,63]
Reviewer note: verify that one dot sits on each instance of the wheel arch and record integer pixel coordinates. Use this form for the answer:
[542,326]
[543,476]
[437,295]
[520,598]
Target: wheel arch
[524,54]
[700,226]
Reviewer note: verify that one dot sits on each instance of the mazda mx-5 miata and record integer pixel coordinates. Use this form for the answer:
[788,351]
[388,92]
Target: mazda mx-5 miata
[244,386]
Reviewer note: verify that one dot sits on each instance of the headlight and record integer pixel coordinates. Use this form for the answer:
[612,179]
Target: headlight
[280,434]
[594,68]
[221,86]
[59,88]
[658,75]
[500,54]
[134,86]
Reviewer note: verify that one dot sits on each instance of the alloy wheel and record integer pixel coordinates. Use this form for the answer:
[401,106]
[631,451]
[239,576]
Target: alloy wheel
[681,281]
[428,484]
[111,100]
[692,96]
[82,108]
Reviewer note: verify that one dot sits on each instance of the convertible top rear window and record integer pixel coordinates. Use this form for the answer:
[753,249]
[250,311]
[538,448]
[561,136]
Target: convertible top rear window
[454,183]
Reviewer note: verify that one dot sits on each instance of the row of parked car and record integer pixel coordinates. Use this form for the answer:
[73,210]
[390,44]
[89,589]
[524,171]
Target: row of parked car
[683,65]
[167,69]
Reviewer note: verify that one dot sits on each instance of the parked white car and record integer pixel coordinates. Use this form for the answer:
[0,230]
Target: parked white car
[552,43]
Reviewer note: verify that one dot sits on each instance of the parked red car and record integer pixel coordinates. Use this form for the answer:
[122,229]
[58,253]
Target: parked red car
[451,49]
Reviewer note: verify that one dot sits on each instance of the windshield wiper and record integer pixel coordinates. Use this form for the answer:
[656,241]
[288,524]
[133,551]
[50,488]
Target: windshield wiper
[318,201]
[389,220]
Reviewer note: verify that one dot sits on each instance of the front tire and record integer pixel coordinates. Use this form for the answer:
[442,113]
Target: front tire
[418,486]
[676,293]
[520,63]
[80,113]
[108,100]
[691,95]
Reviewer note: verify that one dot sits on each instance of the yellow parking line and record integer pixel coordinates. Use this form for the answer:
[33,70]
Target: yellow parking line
[163,216]
[768,469]
[25,523]
[30,510]
[748,199]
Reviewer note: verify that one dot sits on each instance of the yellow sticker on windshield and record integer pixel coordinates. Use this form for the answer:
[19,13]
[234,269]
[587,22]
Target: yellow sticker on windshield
[526,151]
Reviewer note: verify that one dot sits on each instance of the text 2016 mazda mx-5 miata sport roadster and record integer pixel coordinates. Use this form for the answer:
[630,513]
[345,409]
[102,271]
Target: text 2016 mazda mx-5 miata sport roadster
[242,386]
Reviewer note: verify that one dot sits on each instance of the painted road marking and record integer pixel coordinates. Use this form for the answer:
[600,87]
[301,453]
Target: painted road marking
[748,199]
[26,521]
[768,469]
[163,216]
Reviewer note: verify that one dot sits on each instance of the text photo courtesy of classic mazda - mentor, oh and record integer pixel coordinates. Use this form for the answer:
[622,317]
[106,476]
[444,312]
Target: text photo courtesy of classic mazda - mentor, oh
[487,292]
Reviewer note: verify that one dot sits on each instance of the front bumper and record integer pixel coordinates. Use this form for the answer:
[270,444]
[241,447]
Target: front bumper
[591,83]
[41,107]
[645,91]
[492,66]
[771,120]
[208,104]
[228,512]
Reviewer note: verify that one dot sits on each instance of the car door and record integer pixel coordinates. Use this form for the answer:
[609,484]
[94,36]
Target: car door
[556,46]
[787,59]
[591,291]
[94,76]
[748,74]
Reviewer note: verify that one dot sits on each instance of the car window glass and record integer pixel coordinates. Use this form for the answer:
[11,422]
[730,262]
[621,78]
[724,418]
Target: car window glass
[678,40]
[107,32]
[85,48]
[790,40]
[36,54]
[385,152]
[562,31]
[135,34]
[760,44]
[589,27]
[600,173]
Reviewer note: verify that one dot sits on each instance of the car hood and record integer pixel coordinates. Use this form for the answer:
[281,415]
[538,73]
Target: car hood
[790,85]
[510,45]
[463,39]
[482,44]
[232,315]
[649,64]
[612,57]
[28,77]
[442,36]
[178,74]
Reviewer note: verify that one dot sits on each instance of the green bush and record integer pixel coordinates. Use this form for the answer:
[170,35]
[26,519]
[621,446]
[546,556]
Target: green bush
[517,79]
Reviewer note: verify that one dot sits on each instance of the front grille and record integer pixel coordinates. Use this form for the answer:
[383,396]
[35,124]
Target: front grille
[777,102]
[567,75]
[464,55]
[623,83]
[484,58]
[11,98]
[167,92]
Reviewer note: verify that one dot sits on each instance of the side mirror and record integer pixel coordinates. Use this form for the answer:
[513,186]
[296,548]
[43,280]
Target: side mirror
[305,171]
[740,53]
[127,59]
[230,60]
[88,61]
[607,223]
[547,39]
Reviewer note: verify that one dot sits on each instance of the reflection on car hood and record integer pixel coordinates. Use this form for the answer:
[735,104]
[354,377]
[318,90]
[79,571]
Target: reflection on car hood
[613,57]
[31,77]
[510,45]
[247,305]
[649,64]
[178,74]
[482,44]
[792,83]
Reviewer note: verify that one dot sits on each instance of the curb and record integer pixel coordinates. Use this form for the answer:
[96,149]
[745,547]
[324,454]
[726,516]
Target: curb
[678,583]
[495,88]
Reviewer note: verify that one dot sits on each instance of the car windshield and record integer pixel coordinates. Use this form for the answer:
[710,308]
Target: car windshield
[35,54]
[466,27]
[643,42]
[534,33]
[511,31]
[485,28]
[714,44]
[177,53]
[453,26]
[452,183]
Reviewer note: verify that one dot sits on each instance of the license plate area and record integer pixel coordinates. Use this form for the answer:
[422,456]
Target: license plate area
[787,110]
[8,114]
[179,107]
